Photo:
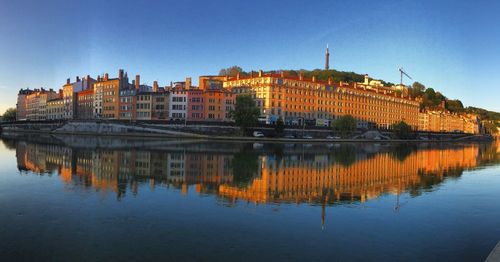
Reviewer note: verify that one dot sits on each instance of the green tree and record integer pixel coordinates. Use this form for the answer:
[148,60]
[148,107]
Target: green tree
[245,113]
[454,105]
[280,126]
[231,71]
[345,124]
[402,130]
[9,115]
[417,89]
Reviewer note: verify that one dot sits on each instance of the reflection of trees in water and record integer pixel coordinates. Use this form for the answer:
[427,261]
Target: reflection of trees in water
[9,143]
[429,181]
[490,153]
[344,155]
[402,151]
[245,165]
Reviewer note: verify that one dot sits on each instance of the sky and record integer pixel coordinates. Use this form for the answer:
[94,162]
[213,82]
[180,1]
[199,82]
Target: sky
[451,46]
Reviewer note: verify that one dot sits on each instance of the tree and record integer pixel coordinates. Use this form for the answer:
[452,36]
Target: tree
[9,115]
[490,127]
[280,126]
[245,113]
[402,130]
[417,89]
[231,71]
[345,124]
[454,105]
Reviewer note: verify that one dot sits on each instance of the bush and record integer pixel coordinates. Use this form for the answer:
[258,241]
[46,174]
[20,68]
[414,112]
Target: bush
[344,124]
[402,130]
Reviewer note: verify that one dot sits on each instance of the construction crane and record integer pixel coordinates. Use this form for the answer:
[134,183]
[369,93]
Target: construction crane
[403,73]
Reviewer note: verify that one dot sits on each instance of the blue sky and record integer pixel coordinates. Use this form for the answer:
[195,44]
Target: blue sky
[452,46]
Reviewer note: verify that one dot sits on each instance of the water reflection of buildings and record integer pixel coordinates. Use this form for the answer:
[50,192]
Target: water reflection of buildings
[321,178]
[116,170]
[342,173]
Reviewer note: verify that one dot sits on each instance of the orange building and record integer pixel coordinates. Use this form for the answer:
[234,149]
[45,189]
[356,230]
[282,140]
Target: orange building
[217,104]
[107,95]
[298,100]
[443,121]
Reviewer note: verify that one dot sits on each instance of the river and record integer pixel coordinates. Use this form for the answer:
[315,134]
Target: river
[109,199]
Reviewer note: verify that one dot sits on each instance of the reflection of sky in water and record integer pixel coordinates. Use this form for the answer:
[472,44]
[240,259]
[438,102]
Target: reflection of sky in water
[211,201]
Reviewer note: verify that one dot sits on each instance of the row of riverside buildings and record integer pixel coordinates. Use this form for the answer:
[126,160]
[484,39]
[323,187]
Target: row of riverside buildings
[295,99]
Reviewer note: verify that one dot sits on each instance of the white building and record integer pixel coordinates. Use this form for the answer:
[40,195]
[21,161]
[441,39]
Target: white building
[178,104]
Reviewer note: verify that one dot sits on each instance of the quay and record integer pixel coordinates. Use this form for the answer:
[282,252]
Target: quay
[494,255]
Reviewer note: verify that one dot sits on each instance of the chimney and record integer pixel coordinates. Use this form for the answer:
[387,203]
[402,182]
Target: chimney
[366,79]
[330,80]
[120,74]
[67,81]
[301,76]
[260,73]
[137,81]
[155,86]
[77,79]
[238,76]
[106,77]
[188,82]
[314,78]
[88,81]
[98,78]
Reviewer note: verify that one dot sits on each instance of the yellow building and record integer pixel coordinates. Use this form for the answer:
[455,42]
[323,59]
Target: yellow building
[442,121]
[298,100]
[36,103]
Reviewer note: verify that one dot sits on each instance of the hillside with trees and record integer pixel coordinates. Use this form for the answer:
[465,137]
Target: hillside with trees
[336,76]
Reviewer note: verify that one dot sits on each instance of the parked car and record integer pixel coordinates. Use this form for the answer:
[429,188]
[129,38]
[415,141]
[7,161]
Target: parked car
[258,134]
[307,137]
[333,137]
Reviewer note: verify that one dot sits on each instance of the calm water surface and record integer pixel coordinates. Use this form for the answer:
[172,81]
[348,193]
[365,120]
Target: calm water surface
[88,199]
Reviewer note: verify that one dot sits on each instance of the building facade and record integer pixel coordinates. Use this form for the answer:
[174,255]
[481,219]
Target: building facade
[298,100]
[178,103]
[21,105]
[159,105]
[36,103]
[70,91]
[144,104]
[443,121]
[107,95]
[85,104]
[195,111]
[55,109]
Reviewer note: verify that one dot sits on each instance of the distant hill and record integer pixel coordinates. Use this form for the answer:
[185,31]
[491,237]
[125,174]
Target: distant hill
[337,76]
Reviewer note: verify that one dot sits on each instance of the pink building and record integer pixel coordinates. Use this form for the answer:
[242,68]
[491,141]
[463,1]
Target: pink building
[195,105]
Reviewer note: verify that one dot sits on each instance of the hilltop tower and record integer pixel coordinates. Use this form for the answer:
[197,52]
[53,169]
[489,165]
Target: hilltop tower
[327,58]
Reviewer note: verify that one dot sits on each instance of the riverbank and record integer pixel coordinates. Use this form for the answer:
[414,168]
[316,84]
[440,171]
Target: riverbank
[216,133]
